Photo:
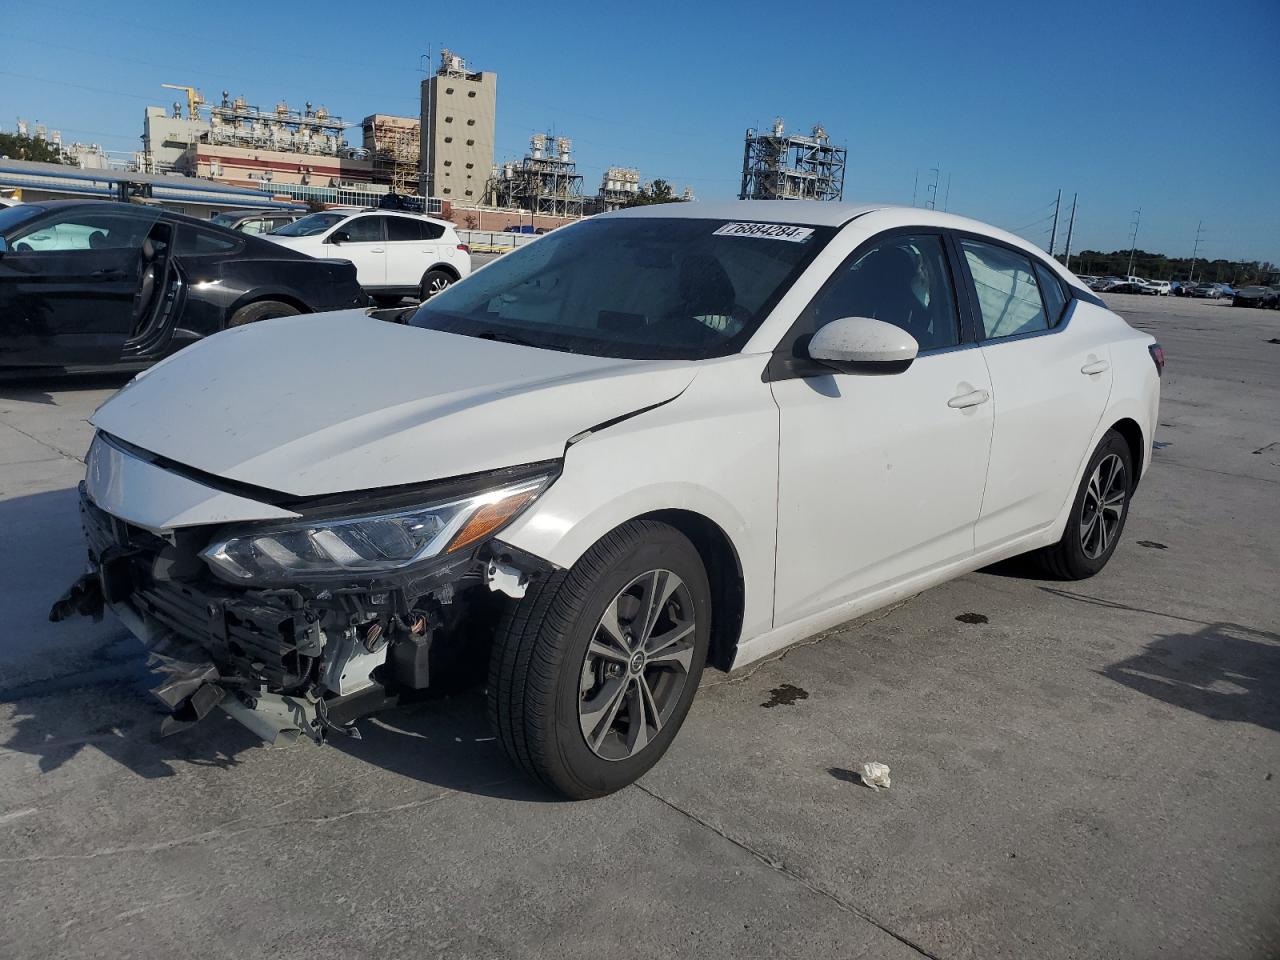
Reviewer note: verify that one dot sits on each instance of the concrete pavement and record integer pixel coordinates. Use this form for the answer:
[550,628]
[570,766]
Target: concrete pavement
[1079,770]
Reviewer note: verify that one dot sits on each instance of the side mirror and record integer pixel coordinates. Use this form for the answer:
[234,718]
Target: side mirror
[339,236]
[863,345]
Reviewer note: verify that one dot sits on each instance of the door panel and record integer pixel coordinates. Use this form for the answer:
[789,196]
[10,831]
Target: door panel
[410,252]
[367,249]
[1047,408]
[879,477]
[1051,382]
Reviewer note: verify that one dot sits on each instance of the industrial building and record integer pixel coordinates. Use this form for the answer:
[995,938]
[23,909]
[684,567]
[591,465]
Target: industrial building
[781,166]
[299,154]
[618,186]
[394,146]
[459,111]
[545,181]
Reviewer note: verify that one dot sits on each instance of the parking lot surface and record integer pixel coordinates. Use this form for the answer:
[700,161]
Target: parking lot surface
[1079,769]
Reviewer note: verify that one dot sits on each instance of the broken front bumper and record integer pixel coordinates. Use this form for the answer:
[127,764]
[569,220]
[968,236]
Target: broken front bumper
[284,662]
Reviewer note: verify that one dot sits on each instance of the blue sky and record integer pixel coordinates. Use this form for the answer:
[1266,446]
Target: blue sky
[1171,107]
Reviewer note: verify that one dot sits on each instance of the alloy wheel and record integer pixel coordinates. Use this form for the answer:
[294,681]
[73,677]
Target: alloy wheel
[636,665]
[1103,508]
[436,285]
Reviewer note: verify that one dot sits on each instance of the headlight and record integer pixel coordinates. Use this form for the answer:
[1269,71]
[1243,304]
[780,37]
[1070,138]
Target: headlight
[369,545]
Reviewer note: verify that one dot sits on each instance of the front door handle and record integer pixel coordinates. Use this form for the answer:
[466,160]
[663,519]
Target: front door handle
[970,399]
[108,273]
[377,250]
[1097,366]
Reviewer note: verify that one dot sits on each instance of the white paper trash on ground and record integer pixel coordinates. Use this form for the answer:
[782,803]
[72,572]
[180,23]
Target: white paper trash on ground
[874,774]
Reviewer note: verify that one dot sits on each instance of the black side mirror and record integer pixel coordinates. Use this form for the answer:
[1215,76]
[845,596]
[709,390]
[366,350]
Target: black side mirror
[339,236]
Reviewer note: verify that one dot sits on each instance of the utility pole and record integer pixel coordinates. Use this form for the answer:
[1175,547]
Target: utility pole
[1053,233]
[932,202]
[915,187]
[1071,224]
[1133,239]
[946,201]
[1195,251]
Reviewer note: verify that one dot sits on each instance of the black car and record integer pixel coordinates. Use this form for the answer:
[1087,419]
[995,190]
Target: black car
[92,285]
[1257,296]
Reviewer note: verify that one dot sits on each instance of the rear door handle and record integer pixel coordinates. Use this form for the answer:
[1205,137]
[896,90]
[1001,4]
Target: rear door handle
[970,399]
[377,250]
[1097,366]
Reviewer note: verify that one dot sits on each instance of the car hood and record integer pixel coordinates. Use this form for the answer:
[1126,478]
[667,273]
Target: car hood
[330,403]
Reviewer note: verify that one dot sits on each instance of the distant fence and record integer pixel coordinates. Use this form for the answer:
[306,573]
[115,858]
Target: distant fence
[483,241]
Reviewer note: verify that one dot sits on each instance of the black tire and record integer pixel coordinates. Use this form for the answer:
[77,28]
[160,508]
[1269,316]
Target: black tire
[434,282]
[262,310]
[1080,553]
[540,662]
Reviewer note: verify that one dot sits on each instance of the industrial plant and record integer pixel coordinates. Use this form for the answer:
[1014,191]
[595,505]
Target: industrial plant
[781,166]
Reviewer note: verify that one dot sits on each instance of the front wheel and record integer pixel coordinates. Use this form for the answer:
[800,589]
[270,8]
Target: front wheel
[1097,515]
[593,671]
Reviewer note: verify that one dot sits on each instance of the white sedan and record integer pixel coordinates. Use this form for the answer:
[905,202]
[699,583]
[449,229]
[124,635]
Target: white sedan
[670,436]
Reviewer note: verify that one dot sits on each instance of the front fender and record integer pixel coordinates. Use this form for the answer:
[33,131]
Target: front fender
[711,451]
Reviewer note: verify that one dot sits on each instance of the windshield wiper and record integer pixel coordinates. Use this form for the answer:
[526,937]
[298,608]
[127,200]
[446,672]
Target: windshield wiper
[504,338]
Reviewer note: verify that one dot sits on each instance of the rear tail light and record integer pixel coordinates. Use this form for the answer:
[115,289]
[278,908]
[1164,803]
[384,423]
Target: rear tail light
[1157,357]
[464,248]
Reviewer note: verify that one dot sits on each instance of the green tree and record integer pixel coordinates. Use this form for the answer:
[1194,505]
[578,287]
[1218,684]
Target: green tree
[657,192]
[17,147]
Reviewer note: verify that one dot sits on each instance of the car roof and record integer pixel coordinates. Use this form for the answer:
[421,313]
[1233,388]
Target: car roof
[356,211]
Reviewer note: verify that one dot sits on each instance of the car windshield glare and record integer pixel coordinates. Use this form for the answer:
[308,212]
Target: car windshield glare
[638,288]
[310,225]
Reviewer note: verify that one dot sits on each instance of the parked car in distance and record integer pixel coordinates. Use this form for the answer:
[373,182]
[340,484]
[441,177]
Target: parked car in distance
[1211,291]
[520,228]
[1159,288]
[652,440]
[93,285]
[1257,296]
[396,254]
[254,222]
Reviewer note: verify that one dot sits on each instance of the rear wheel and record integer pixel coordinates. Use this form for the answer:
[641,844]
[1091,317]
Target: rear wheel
[433,283]
[1097,516]
[262,310]
[593,672]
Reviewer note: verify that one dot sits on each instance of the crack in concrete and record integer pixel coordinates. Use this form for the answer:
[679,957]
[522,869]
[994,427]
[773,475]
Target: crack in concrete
[59,453]
[222,833]
[782,868]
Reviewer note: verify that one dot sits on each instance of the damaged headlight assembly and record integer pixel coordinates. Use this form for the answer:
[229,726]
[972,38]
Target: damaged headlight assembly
[366,546]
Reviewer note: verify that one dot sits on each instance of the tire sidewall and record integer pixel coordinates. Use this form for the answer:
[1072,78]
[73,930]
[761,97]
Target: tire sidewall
[668,550]
[424,294]
[1082,564]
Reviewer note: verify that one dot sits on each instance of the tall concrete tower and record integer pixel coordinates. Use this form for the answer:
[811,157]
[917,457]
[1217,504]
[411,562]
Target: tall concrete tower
[459,109]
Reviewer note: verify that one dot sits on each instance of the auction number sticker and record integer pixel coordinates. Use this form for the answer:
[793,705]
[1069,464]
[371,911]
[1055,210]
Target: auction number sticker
[767,231]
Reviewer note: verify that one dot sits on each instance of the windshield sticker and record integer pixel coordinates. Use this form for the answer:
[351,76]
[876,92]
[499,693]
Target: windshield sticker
[767,231]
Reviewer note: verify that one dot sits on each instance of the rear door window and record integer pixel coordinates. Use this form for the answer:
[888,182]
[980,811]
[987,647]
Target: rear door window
[1008,296]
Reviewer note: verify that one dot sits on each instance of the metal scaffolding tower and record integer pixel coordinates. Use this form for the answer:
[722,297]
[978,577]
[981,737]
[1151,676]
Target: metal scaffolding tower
[394,144]
[778,166]
[545,181]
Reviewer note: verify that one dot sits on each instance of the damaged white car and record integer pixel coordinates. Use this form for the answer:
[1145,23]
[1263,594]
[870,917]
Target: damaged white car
[671,436]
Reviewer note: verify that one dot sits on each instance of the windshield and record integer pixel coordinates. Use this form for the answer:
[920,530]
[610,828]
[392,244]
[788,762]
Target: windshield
[310,225]
[643,288]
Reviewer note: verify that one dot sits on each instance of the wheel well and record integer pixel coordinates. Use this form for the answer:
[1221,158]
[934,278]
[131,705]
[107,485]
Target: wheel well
[1132,434]
[724,574]
[443,268]
[273,298]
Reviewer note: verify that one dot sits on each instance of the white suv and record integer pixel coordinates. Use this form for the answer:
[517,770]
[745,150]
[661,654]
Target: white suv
[396,254]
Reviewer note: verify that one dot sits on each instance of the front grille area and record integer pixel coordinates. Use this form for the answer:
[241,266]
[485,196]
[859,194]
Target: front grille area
[245,633]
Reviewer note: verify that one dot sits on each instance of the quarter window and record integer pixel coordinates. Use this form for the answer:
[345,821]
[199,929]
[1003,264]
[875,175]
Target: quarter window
[1055,300]
[901,280]
[1008,297]
[194,241]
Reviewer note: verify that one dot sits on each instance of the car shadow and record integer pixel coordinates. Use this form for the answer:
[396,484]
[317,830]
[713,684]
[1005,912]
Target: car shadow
[41,389]
[1220,670]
